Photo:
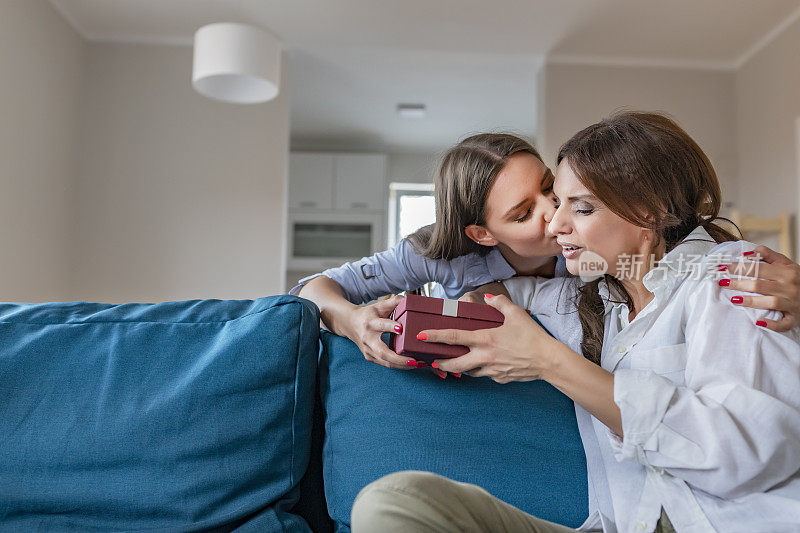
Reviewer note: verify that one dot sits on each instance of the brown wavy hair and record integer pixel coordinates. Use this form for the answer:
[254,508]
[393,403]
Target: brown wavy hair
[647,170]
[463,180]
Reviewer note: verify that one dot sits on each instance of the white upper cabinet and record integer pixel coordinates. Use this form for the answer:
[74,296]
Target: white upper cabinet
[344,182]
[311,181]
[360,182]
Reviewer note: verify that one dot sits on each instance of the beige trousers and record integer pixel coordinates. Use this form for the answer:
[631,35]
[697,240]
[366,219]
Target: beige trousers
[413,501]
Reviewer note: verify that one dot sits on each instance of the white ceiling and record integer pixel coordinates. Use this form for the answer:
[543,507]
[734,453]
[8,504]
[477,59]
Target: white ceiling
[473,63]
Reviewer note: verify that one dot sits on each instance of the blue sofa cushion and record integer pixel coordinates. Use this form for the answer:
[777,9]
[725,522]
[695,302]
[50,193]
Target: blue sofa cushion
[519,441]
[169,416]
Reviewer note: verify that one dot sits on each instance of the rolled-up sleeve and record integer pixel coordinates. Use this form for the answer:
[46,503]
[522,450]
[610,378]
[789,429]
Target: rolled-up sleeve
[734,428]
[371,277]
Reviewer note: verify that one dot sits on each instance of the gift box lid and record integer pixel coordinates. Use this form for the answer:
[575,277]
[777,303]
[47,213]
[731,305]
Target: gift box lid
[442,307]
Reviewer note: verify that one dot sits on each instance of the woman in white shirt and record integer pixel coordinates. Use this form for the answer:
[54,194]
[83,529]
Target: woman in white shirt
[688,410]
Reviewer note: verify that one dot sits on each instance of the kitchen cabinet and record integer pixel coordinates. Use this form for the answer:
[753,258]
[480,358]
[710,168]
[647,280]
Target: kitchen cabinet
[337,207]
[310,181]
[339,182]
[360,182]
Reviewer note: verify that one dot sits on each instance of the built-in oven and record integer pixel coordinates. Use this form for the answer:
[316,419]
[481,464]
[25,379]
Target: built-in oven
[323,240]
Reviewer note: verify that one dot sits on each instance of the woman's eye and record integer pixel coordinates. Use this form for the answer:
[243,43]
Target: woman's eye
[524,217]
[584,211]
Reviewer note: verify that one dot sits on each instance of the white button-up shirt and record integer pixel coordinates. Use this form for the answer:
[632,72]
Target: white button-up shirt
[710,402]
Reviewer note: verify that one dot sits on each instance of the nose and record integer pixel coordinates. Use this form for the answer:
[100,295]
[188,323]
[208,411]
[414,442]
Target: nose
[558,222]
[549,211]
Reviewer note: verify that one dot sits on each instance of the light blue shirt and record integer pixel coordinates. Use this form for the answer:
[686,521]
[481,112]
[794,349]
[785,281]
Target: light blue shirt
[402,269]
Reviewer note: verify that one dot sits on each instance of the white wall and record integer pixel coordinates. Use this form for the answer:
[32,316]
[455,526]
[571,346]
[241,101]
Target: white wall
[42,60]
[178,196]
[767,107]
[120,183]
[703,102]
[540,142]
[412,168]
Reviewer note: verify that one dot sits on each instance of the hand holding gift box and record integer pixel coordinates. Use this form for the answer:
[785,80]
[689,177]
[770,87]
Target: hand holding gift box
[520,349]
[416,313]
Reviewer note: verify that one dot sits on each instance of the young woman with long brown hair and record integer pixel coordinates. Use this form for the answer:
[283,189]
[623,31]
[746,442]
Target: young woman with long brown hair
[688,411]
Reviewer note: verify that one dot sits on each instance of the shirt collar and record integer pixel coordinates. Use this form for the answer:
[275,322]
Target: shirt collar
[687,255]
[498,266]
[693,247]
[561,267]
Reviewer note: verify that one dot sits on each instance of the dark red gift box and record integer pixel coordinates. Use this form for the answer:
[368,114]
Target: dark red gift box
[417,313]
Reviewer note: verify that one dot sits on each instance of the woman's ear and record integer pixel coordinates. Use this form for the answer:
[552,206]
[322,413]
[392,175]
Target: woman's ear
[480,235]
[650,237]
[653,239]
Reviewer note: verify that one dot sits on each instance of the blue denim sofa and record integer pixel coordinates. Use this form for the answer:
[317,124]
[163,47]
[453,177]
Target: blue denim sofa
[242,415]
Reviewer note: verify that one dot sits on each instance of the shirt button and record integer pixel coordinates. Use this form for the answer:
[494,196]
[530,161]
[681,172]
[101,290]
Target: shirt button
[622,349]
[641,526]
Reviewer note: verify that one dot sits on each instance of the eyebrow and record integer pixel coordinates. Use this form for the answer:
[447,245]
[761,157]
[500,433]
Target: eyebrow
[581,197]
[548,173]
[510,211]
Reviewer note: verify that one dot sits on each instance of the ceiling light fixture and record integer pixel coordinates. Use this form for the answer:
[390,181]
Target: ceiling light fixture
[411,110]
[237,63]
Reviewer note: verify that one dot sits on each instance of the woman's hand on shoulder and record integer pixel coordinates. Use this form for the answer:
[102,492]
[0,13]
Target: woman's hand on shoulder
[367,323]
[776,287]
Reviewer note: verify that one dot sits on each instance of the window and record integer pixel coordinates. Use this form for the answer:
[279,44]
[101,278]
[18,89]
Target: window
[411,206]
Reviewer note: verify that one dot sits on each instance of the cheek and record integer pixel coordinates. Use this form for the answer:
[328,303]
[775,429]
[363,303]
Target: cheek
[539,223]
[536,229]
[619,244]
[599,235]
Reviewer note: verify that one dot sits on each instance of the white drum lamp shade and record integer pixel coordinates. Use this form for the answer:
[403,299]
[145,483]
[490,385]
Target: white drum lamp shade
[236,63]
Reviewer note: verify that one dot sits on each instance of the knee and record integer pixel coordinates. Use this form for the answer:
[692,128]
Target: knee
[391,500]
[407,481]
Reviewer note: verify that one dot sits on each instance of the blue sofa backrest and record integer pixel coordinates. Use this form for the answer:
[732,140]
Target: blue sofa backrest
[519,441]
[170,416]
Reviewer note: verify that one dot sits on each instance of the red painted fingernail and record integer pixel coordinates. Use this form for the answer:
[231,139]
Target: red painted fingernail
[737,299]
[724,282]
[398,328]
[488,295]
[761,323]
[435,364]
[421,364]
[422,336]
[722,268]
[456,375]
[749,253]
[442,375]
[412,363]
